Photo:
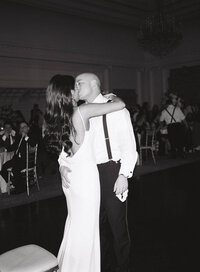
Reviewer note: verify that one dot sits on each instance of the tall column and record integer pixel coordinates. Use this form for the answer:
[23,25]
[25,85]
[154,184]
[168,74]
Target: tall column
[107,79]
[139,87]
[151,88]
[165,76]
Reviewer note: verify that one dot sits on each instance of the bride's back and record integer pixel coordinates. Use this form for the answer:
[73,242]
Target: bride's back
[77,136]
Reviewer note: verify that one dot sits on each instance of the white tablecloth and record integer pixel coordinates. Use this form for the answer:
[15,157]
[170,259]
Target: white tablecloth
[4,157]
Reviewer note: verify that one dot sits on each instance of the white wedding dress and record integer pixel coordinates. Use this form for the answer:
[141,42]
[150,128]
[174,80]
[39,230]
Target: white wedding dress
[80,247]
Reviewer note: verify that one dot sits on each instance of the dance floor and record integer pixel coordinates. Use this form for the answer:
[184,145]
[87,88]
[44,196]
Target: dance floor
[162,215]
[50,185]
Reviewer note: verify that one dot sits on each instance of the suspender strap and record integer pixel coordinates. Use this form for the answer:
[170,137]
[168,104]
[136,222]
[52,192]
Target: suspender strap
[19,145]
[105,128]
[172,115]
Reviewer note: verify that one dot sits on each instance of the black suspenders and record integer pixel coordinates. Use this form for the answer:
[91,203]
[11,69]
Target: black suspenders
[105,128]
[172,115]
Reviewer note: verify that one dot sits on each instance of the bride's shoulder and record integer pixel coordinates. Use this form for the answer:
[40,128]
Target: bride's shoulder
[80,111]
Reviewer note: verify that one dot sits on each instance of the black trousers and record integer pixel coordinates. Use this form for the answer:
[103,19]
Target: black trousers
[114,234]
[176,135]
[17,164]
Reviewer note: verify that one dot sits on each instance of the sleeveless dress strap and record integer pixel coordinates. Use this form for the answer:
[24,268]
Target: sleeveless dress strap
[81,118]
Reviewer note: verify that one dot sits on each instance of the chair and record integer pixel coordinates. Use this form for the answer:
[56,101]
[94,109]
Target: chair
[30,172]
[149,144]
[28,258]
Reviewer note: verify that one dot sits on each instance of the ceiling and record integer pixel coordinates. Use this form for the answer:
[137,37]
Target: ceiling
[121,12]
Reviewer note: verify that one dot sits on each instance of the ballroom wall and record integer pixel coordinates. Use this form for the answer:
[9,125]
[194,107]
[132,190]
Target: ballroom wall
[36,44]
[186,54]
[58,42]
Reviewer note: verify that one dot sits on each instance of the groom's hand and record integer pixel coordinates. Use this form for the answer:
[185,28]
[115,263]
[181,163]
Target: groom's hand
[121,185]
[64,171]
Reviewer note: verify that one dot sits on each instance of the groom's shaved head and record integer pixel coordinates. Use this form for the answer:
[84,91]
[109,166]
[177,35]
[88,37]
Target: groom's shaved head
[88,86]
[89,77]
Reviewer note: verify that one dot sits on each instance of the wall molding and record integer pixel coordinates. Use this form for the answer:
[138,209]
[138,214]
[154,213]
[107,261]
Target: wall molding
[191,58]
[22,92]
[11,50]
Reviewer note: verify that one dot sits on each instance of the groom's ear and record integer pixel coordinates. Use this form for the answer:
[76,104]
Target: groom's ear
[93,83]
[72,92]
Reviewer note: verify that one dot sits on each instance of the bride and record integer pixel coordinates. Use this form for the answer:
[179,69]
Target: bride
[68,134]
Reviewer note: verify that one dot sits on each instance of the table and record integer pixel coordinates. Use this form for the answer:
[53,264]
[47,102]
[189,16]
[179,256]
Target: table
[4,157]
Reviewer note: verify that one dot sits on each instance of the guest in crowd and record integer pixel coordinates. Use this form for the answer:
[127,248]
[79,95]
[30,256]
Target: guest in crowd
[192,109]
[146,110]
[7,136]
[161,133]
[18,162]
[17,118]
[180,103]
[196,131]
[47,162]
[155,116]
[189,132]
[36,116]
[174,118]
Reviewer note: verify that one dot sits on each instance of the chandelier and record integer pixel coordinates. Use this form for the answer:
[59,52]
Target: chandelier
[159,34]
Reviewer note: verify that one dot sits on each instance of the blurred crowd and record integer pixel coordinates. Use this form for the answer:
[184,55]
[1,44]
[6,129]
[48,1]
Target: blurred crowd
[10,125]
[15,132]
[176,124]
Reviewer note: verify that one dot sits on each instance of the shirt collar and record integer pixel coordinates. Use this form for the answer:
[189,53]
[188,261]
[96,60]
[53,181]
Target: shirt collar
[100,99]
[171,106]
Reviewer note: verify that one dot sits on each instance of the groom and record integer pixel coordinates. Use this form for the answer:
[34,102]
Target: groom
[116,156]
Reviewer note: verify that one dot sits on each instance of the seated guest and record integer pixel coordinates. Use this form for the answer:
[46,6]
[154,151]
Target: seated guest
[18,162]
[7,136]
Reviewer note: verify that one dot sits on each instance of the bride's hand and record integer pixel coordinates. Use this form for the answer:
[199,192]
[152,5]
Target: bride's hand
[110,96]
[64,171]
[114,98]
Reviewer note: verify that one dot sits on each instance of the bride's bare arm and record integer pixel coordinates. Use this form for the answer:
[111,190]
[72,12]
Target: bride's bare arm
[97,109]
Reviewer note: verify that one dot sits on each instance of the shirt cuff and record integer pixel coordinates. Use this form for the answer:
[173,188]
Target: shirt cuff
[126,173]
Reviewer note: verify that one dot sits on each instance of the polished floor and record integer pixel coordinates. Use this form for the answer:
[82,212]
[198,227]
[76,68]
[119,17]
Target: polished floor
[162,219]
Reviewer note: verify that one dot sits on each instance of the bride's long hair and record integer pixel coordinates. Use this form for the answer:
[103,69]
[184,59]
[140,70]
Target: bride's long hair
[58,116]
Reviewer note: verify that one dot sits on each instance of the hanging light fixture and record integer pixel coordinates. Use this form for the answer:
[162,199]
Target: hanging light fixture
[159,34]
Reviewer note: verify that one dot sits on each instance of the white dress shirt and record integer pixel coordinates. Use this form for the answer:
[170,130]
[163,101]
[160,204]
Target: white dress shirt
[178,115]
[122,139]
